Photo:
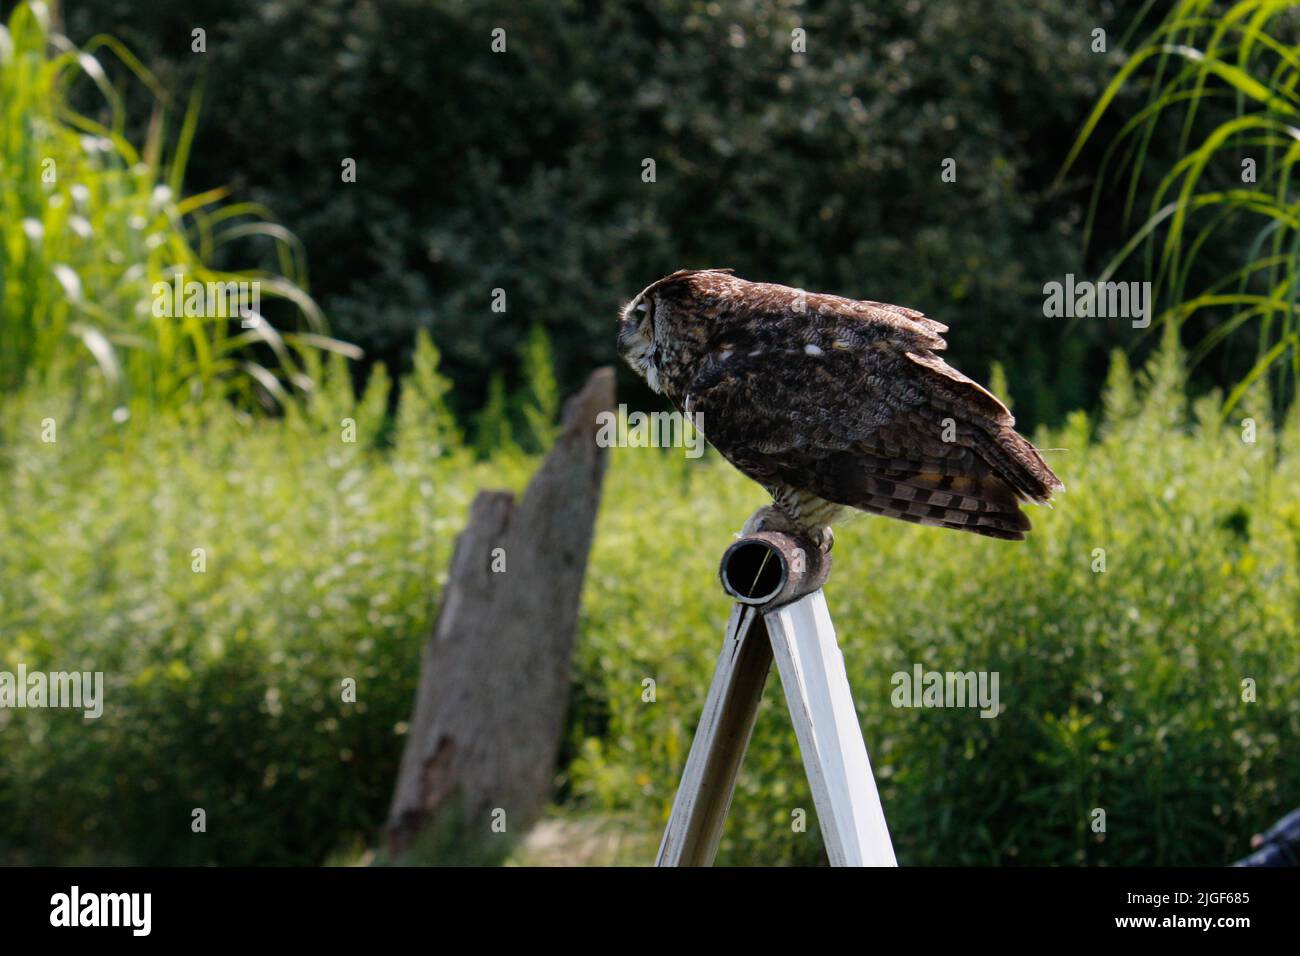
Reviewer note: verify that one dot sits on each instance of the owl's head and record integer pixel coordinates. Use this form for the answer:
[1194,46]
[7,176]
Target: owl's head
[645,328]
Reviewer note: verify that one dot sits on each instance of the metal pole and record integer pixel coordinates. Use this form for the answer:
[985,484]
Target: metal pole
[709,780]
[776,580]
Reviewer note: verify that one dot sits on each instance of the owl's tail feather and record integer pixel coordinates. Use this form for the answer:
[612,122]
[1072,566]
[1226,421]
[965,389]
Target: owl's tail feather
[1018,463]
[980,504]
[1004,533]
[977,487]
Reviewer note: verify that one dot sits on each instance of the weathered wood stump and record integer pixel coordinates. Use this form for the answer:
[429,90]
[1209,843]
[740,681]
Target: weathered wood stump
[489,709]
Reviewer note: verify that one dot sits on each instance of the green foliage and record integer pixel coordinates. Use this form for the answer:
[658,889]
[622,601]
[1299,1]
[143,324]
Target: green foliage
[1220,81]
[522,170]
[1121,690]
[422,410]
[493,432]
[91,228]
[541,398]
[223,688]
[998,384]
[228,573]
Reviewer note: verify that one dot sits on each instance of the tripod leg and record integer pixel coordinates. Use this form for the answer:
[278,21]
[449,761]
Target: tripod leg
[830,738]
[709,780]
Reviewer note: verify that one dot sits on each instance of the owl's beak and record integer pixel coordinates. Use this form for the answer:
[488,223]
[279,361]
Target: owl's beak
[630,322]
[626,334]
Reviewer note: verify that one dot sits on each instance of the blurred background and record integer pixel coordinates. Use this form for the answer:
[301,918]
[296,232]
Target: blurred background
[796,143]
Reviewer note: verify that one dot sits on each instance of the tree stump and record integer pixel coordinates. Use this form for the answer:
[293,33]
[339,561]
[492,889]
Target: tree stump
[490,705]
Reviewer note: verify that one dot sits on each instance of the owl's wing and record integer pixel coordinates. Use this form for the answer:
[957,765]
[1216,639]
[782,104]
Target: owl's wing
[877,422]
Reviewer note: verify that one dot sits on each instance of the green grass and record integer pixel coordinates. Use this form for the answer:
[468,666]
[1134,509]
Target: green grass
[1223,82]
[1121,690]
[92,225]
[321,562]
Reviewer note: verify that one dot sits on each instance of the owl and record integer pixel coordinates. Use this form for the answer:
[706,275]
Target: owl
[833,405]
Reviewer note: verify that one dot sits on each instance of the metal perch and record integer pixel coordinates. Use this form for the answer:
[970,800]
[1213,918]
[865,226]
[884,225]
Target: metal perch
[768,569]
[780,612]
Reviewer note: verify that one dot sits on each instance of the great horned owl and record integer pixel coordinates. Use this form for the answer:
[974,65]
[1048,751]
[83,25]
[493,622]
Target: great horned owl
[833,404]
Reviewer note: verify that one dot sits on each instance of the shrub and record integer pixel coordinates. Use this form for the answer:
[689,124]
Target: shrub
[94,226]
[522,170]
[1121,690]
[320,562]
[1223,88]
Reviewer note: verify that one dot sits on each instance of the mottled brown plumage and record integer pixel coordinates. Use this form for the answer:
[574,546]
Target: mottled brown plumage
[833,403]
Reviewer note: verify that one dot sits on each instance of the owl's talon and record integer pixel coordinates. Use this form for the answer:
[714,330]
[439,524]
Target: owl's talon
[769,518]
[772,518]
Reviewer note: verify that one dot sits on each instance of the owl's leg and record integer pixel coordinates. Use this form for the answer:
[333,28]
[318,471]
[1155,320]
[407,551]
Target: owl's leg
[779,516]
[772,518]
[814,514]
